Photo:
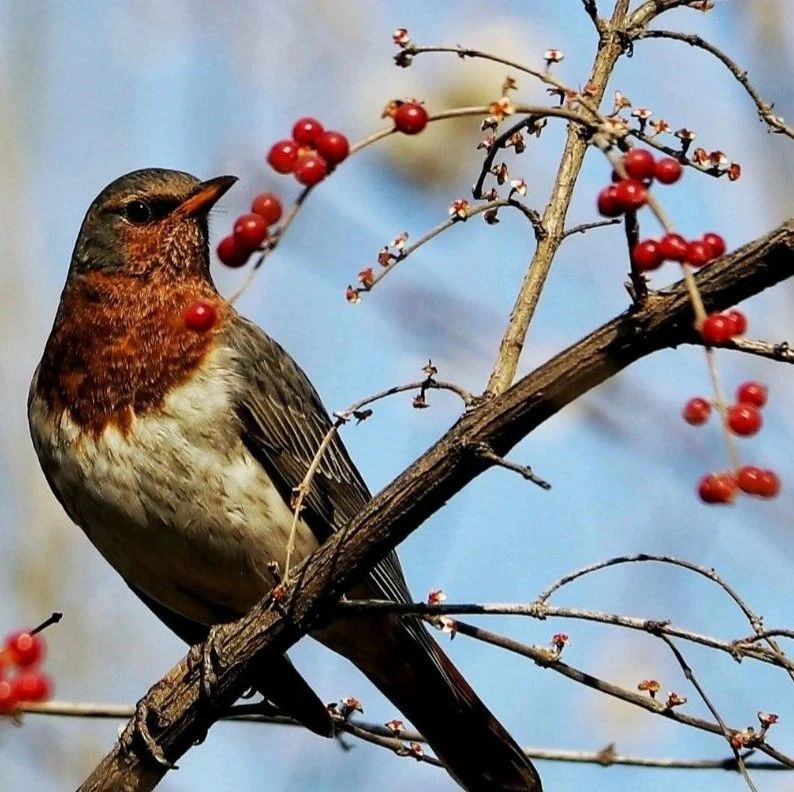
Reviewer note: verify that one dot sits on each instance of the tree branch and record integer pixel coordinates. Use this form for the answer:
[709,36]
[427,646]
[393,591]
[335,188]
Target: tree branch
[765,113]
[606,757]
[180,715]
[553,221]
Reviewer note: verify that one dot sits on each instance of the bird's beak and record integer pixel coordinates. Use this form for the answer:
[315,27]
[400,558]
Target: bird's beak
[205,197]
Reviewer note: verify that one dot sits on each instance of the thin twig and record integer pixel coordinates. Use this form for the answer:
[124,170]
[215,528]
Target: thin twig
[765,113]
[605,757]
[470,211]
[466,52]
[651,9]
[486,452]
[782,352]
[675,152]
[690,675]
[342,417]
[584,227]
[639,284]
[756,622]
[737,649]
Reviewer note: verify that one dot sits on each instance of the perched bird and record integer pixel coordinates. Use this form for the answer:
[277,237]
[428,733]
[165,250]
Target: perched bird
[176,450]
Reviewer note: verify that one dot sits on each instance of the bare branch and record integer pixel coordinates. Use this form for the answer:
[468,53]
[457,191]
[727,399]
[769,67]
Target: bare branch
[756,622]
[639,284]
[547,658]
[738,649]
[583,228]
[512,342]
[775,122]
[781,351]
[342,417]
[470,211]
[486,452]
[606,757]
[651,9]
[690,675]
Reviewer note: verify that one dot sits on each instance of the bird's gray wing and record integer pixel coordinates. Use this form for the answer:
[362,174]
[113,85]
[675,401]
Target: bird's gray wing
[283,423]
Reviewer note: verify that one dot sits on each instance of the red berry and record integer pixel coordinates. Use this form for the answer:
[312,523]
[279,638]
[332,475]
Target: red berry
[673,246]
[250,231]
[668,170]
[697,254]
[716,329]
[639,164]
[608,204]
[333,147]
[310,169]
[768,484]
[738,321]
[268,207]
[307,130]
[31,686]
[744,419]
[630,194]
[8,698]
[282,156]
[717,488]
[200,316]
[24,648]
[696,411]
[231,253]
[410,118]
[647,255]
[715,243]
[754,393]
[748,478]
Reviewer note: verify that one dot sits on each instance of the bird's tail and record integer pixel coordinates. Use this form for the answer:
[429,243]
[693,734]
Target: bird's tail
[413,671]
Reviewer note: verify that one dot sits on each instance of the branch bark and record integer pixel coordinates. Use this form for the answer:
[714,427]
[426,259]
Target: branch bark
[175,713]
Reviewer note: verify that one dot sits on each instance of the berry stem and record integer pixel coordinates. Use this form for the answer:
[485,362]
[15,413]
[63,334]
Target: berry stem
[54,619]
[462,112]
[722,408]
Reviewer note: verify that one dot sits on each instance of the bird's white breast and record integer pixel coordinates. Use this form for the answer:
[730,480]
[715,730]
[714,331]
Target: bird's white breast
[176,504]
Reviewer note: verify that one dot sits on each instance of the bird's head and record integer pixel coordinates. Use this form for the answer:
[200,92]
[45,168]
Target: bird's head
[149,221]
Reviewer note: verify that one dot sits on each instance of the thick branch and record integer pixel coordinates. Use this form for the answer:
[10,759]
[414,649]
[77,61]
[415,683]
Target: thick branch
[179,715]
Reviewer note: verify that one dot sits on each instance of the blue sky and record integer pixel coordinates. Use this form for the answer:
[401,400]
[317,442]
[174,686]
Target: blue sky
[199,87]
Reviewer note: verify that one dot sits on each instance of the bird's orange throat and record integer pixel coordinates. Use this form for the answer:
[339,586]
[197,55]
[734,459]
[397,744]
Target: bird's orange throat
[120,344]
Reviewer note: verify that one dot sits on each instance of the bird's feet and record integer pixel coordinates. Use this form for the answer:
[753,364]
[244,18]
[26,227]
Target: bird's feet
[138,730]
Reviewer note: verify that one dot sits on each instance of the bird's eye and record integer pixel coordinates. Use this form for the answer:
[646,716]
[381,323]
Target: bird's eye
[138,212]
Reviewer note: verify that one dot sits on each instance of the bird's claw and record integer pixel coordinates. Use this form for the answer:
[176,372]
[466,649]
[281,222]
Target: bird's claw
[138,727]
[209,655]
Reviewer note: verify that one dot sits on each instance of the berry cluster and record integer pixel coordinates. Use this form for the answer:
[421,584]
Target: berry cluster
[650,254]
[632,177]
[743,418]
[717,328]
[22,651]
[630,192]
[250,230]
[310,153]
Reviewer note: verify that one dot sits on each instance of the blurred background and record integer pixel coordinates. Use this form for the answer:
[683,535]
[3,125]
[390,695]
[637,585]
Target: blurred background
[89,91]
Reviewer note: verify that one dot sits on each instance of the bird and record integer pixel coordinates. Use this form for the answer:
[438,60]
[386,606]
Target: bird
[176,450]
